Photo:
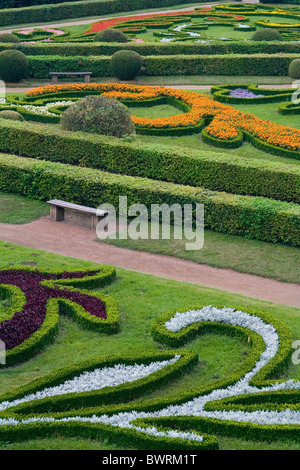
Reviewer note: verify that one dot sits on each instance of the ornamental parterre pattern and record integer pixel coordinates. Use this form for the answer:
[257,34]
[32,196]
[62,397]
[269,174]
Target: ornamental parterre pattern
[96,398]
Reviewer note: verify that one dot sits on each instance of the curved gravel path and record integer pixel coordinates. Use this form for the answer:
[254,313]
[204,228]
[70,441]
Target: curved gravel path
[79,242]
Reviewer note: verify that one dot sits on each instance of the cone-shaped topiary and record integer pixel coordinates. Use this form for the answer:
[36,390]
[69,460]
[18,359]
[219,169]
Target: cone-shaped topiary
[110,35]
[7,114]
[294,69]
[126,65]
[267,34]
[13,65]
[98,115]
[8,37]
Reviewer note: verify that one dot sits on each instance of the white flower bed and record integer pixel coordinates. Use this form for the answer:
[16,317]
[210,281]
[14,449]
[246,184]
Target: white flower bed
[196,406]
[95,380]
[41,110]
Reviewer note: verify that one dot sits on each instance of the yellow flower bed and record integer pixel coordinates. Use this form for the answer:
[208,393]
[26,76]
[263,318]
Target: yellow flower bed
[226,123]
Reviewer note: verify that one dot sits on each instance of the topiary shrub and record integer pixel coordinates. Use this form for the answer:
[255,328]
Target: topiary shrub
[6,114]
[98,115]
[110,35]
[126,65]
[294,69]
[8,37]
[13,65]
[267,34]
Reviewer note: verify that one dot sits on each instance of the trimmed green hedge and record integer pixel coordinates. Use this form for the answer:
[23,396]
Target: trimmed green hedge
[251,217]
[230,64]
[78,9]
[195,168]
[237,65]
[179,48]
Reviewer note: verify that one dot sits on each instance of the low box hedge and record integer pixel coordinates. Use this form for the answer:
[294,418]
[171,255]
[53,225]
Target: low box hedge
[228,64]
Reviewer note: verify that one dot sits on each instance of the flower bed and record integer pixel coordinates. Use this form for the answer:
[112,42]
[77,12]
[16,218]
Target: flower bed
[99,395]
[37,300]
[226,122]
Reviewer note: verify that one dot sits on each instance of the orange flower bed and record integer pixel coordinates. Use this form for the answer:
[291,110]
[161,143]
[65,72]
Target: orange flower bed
[225,125]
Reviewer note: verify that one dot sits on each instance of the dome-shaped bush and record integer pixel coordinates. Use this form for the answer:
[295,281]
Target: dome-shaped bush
[110,35]
[294,69]
[8,37]
[267,34]
[98,115]
[13,65]
[126,65]
[6,114]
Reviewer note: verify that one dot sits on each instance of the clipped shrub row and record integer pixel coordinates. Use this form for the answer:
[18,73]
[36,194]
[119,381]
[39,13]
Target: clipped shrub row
[238,64]
[251,217]
[154,48]
[213,171]
[78,9]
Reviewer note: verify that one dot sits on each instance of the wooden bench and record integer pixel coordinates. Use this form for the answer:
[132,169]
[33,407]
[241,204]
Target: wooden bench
[86,75]
[57,211]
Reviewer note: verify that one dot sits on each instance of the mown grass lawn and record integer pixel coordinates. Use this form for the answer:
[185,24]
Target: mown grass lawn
[141,299]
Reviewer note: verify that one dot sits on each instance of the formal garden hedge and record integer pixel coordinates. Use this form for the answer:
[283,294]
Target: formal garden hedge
[214,171]
[248,216]
[145,49]
[233,65]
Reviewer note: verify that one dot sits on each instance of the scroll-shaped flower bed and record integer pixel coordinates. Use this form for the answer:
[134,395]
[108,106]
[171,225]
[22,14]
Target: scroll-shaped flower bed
[98,399]
[226,126]
[37,298]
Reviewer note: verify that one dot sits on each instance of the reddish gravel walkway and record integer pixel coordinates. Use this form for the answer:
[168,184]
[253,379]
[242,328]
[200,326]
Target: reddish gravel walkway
[78,242]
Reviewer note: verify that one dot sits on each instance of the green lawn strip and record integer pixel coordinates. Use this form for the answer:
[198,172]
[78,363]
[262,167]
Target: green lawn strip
[220,250]
[141,299]
[20,210]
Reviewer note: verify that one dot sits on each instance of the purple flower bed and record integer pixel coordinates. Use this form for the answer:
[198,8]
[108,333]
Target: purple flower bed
[243,93]
[23,324]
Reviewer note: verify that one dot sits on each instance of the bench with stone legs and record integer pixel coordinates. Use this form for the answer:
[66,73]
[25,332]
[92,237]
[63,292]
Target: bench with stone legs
[86,75]
[57,211]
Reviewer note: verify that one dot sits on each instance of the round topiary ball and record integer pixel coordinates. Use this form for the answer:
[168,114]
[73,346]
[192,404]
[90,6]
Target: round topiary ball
[294,69]
[6,114]
[8,37]
[98,115]
[110,35]
[126,65]
[13,65]
[267,34]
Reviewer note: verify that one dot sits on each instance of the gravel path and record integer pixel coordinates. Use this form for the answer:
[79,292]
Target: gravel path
[79,242]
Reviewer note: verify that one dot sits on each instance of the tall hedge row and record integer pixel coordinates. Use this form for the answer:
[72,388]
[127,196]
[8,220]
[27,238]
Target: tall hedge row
[248,216]
[195,168]
[100,66]
[153,49]
[77,9]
